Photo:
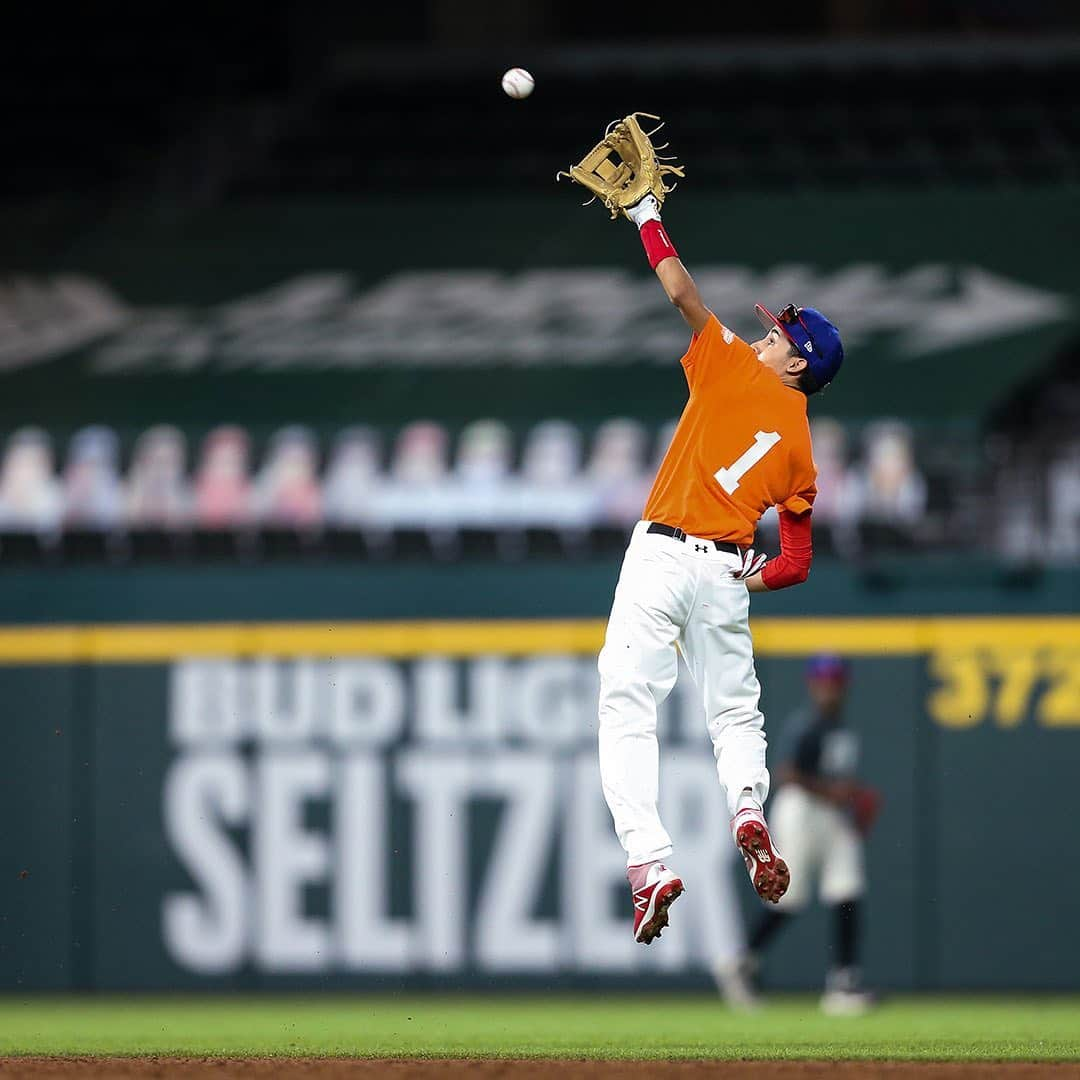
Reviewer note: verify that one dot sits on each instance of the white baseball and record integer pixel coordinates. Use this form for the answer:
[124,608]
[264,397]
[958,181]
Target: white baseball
[518,83]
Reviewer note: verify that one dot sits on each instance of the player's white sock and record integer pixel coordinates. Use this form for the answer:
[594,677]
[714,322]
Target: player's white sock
[638,875]
[747,802]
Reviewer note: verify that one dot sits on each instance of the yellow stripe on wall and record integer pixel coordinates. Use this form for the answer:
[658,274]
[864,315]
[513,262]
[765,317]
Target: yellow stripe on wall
[901,636]
[161,642]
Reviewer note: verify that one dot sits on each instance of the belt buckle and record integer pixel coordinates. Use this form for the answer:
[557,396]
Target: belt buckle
[679,534]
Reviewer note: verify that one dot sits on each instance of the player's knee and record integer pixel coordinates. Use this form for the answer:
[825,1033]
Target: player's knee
[623,677]
[625,717]
[615,663]
[622,690]
[732,721]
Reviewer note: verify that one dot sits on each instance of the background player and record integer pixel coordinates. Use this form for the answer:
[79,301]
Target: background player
[742,445]
[817,816]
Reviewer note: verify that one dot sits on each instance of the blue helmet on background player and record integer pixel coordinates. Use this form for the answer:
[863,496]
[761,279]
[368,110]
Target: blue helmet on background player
[827,676]
[828,666]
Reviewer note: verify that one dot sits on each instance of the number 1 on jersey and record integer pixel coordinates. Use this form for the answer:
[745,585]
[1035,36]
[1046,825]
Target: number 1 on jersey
[729,478]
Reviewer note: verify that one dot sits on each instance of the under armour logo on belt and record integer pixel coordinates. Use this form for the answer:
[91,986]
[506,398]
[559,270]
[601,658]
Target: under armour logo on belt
[701,547]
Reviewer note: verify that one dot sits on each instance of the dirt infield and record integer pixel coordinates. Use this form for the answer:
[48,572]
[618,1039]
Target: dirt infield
[332,1068]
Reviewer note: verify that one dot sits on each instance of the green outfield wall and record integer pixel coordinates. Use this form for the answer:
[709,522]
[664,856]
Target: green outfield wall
[370,776]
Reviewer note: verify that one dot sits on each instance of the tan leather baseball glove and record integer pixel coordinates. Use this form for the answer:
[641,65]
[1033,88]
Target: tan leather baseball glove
[624,166]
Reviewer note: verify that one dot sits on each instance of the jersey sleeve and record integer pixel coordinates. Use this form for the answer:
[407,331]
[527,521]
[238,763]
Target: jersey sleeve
[801,501]
[714,351]
[803,483]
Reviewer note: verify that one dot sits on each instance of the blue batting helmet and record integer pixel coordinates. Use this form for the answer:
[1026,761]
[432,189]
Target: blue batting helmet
[817,340]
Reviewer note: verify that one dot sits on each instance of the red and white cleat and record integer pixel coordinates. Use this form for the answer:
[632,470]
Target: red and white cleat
[660,889]
[768,871]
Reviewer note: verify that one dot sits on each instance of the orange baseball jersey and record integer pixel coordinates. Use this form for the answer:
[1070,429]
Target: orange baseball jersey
[742,444]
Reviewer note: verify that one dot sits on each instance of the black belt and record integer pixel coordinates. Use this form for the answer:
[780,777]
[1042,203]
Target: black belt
[678,534]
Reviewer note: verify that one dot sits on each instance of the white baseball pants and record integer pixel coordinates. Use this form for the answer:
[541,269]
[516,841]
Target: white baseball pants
[672,595]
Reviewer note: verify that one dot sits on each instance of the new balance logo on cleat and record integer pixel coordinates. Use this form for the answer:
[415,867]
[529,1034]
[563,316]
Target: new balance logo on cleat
[768,871]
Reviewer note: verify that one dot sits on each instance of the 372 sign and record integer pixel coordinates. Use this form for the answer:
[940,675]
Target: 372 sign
[1006,687]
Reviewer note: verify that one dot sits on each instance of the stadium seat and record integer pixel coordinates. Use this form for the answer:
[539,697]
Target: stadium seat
[287,495]
[1063,503]
[352,477]
[484,544]
[30,496]
[412,543]
[22,547]
[836,506]
[152,543]
[157,494]
[615,472]
[413,494]
[892,491]
[481,474]
[551,492]
[92,545]
[222,483]
[93,500]
[347,542]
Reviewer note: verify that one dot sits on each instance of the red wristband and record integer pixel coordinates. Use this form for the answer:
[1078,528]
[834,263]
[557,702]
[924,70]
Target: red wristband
[658,245]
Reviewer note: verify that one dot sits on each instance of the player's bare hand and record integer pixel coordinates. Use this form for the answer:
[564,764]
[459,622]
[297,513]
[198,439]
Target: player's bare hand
[751,564]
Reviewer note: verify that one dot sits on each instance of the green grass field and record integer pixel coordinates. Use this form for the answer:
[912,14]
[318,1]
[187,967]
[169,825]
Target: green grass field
[574,1026]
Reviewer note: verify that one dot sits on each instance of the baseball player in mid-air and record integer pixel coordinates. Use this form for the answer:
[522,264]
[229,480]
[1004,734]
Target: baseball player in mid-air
[741,446]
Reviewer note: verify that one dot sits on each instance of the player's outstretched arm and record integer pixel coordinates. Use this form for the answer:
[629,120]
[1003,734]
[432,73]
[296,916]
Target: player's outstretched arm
[664,259]
[683,293]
